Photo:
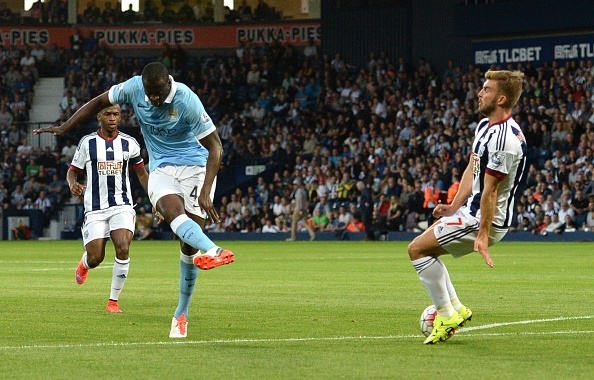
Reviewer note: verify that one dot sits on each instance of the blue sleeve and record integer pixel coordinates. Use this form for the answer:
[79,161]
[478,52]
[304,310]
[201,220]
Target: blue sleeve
[197,117]
[124,92]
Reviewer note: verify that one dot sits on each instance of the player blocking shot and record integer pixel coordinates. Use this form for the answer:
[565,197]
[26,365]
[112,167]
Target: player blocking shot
[185,153]
[106,157]
[481,212]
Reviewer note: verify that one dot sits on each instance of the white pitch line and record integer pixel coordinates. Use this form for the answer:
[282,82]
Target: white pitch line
[493,325]
[533,333]
[105,266]
[314,339]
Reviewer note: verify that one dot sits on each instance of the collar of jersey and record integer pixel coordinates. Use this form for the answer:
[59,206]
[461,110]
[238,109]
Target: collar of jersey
[107,138]
[169,97]
[490,125]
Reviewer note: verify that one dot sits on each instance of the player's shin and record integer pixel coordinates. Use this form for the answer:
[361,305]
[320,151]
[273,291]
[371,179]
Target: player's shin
[118,278]
[188,273]
[432,274]
[191,233]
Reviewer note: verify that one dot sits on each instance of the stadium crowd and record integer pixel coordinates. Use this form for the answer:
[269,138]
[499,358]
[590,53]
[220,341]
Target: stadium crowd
[55,12]
[403,131]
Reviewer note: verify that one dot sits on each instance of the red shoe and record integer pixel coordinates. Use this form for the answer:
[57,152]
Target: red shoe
[179,327]
[112,307]
[214,257]
[81,273]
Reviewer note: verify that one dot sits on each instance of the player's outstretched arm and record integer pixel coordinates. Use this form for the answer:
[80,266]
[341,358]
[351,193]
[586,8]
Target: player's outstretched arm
[488,204]
[84,113]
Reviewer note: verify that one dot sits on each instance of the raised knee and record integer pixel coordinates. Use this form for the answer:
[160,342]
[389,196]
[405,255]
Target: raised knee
[414,250]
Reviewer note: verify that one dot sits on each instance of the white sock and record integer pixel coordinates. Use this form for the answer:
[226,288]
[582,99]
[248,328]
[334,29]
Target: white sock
[432,273]
[457,305]
[120,273]
[188,259]
[84,260]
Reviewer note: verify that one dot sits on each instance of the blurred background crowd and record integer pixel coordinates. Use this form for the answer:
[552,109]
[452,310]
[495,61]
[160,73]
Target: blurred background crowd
[398,131]
[55,12]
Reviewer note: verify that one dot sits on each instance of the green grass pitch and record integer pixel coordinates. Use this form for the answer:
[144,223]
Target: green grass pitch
[302,310]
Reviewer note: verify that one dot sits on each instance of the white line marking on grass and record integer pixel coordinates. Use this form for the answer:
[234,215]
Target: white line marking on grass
[493,325]
[105,266]
[534,333]
[319,339]
[280,340]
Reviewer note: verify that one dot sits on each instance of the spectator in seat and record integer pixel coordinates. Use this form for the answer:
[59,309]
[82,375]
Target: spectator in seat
[6,117]
[43,204]
[68,102]
[589,226]
[320,220]
[579,204]
[92,13]
[109,14]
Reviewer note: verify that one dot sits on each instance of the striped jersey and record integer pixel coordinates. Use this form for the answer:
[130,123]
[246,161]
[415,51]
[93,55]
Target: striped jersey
[106,163]
[499,150]
[173,130]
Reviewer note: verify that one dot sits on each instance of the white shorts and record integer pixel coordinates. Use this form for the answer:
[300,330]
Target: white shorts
[457,233]
[185,181]
[99,224]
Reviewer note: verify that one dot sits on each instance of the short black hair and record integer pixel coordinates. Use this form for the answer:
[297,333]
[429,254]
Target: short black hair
[155,71]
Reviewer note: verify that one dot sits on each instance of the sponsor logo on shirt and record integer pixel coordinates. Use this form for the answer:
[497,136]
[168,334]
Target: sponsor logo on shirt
[497,159]
[476,164]
[109,168]
[160,131]
[205,118]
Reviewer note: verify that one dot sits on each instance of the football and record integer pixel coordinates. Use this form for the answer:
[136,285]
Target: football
[427,318]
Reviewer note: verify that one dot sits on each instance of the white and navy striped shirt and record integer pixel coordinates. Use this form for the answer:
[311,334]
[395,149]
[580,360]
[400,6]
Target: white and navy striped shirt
[107,163]
[500,151]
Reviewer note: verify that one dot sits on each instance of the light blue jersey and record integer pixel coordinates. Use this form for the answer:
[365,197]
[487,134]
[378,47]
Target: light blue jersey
[171,132]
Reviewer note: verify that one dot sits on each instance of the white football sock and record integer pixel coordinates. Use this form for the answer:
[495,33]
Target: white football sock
[84,260]
[432,273]
[120,273]
[452,292]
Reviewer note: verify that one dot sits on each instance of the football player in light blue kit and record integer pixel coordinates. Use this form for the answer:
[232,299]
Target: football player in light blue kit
[185,153]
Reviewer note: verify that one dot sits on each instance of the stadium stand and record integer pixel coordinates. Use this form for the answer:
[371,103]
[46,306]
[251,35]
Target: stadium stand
[398,127]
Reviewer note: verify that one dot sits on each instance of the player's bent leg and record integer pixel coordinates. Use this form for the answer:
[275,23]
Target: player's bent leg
[424,245]
[91,258]
[82,270]
[424,252]
[190,233]
[96,252]
[172,208]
